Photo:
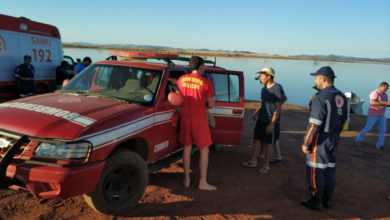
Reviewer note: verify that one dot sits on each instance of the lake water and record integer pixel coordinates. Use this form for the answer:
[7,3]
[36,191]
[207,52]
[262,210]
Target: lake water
[361,78]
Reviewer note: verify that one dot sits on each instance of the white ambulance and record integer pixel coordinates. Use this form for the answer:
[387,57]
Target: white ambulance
[20,37]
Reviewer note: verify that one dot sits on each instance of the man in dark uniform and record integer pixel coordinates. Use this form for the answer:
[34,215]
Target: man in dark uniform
[327,117]
[24,75]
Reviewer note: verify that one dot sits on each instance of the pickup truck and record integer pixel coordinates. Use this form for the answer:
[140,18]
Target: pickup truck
[103,132]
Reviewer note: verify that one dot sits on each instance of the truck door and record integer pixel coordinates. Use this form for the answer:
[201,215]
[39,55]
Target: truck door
[167,115]
[229,106]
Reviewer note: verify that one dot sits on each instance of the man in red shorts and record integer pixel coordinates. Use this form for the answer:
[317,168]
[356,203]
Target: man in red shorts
[194,128]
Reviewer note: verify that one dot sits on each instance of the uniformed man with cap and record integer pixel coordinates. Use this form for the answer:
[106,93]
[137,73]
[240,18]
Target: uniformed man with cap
[327,117]
[24,75]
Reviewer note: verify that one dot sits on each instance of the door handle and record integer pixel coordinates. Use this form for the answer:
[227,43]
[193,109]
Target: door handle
[238,111]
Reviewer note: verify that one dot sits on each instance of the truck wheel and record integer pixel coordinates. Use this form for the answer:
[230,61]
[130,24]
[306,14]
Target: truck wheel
[4,183]
[121,184]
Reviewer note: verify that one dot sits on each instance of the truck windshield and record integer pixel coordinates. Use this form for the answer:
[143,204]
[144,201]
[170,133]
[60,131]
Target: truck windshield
[131,84]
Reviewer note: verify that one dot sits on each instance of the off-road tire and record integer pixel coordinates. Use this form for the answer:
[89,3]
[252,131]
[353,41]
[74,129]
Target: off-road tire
[121,184]
[4,183]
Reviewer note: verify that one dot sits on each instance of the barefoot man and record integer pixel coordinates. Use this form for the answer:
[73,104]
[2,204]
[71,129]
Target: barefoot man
[194,128]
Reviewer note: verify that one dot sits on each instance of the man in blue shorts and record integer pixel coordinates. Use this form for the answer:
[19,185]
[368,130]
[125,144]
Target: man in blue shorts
[267,127]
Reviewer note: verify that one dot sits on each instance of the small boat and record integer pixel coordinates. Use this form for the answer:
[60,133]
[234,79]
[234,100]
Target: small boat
[355,103]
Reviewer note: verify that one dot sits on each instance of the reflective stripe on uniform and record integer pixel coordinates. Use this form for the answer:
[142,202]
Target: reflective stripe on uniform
[26,78]
[315,121]
[328,114]
[320,165]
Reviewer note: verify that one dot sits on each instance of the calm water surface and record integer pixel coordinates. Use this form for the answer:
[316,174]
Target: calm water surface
[294,75]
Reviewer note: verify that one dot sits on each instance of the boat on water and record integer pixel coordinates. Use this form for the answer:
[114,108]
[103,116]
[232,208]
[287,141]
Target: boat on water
[355,103]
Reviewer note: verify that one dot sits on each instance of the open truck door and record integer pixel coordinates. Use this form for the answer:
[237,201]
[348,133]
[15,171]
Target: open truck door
[229,105]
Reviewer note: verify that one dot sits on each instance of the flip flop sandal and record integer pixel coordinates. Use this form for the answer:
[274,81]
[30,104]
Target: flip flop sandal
[260,158]
[248,164]
[275,161]
[264,170]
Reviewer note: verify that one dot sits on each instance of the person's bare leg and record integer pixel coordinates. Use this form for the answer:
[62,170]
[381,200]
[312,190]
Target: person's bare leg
[187,165]
[263,150]
[278,155]
[203,164]
[255,151]
[268,154]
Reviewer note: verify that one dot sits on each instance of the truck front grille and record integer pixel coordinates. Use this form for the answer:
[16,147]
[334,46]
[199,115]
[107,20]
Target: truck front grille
[7,141]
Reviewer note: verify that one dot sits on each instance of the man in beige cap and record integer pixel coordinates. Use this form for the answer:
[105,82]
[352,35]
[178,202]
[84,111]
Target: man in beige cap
[267,127]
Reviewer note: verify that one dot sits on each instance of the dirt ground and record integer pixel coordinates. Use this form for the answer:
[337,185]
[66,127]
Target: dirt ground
[363,184]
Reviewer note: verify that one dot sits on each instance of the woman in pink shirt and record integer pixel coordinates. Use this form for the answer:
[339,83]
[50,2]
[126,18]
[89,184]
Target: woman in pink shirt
[376,116]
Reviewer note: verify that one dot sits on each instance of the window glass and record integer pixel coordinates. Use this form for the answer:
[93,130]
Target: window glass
[234,88]
[172,81]
[83,81]
[130,84]
[69,60]
[103,76]
[221,89]
[226,87]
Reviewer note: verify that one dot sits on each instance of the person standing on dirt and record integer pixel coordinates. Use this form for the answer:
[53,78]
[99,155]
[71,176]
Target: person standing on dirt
[24,75]
[327,116]
[376,116]
[194,128]
[267,127]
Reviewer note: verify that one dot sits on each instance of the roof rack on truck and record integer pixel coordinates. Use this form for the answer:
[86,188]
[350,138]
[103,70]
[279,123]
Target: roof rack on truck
[131,55]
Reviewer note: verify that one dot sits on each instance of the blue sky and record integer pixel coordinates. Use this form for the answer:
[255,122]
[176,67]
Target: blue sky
[285,27]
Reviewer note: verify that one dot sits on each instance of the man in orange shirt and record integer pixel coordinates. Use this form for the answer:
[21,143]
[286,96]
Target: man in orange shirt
[197,91]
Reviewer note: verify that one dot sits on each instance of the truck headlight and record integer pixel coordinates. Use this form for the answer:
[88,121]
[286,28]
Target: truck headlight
[63,150]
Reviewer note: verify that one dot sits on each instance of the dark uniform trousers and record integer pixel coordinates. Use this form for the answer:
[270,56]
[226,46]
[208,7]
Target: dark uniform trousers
[25,78]
[320,166]
[327,116]
[26,87]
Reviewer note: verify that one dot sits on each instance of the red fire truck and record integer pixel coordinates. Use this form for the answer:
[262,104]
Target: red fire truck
[107,129]
[20,37]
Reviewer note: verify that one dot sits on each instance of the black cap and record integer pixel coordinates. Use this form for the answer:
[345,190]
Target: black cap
[325,71]
[27,56]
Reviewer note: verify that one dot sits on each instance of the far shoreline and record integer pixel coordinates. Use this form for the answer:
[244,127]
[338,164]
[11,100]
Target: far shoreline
[215,53]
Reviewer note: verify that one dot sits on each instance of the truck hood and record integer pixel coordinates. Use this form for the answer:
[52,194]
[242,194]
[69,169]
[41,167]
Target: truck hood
[59,116]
